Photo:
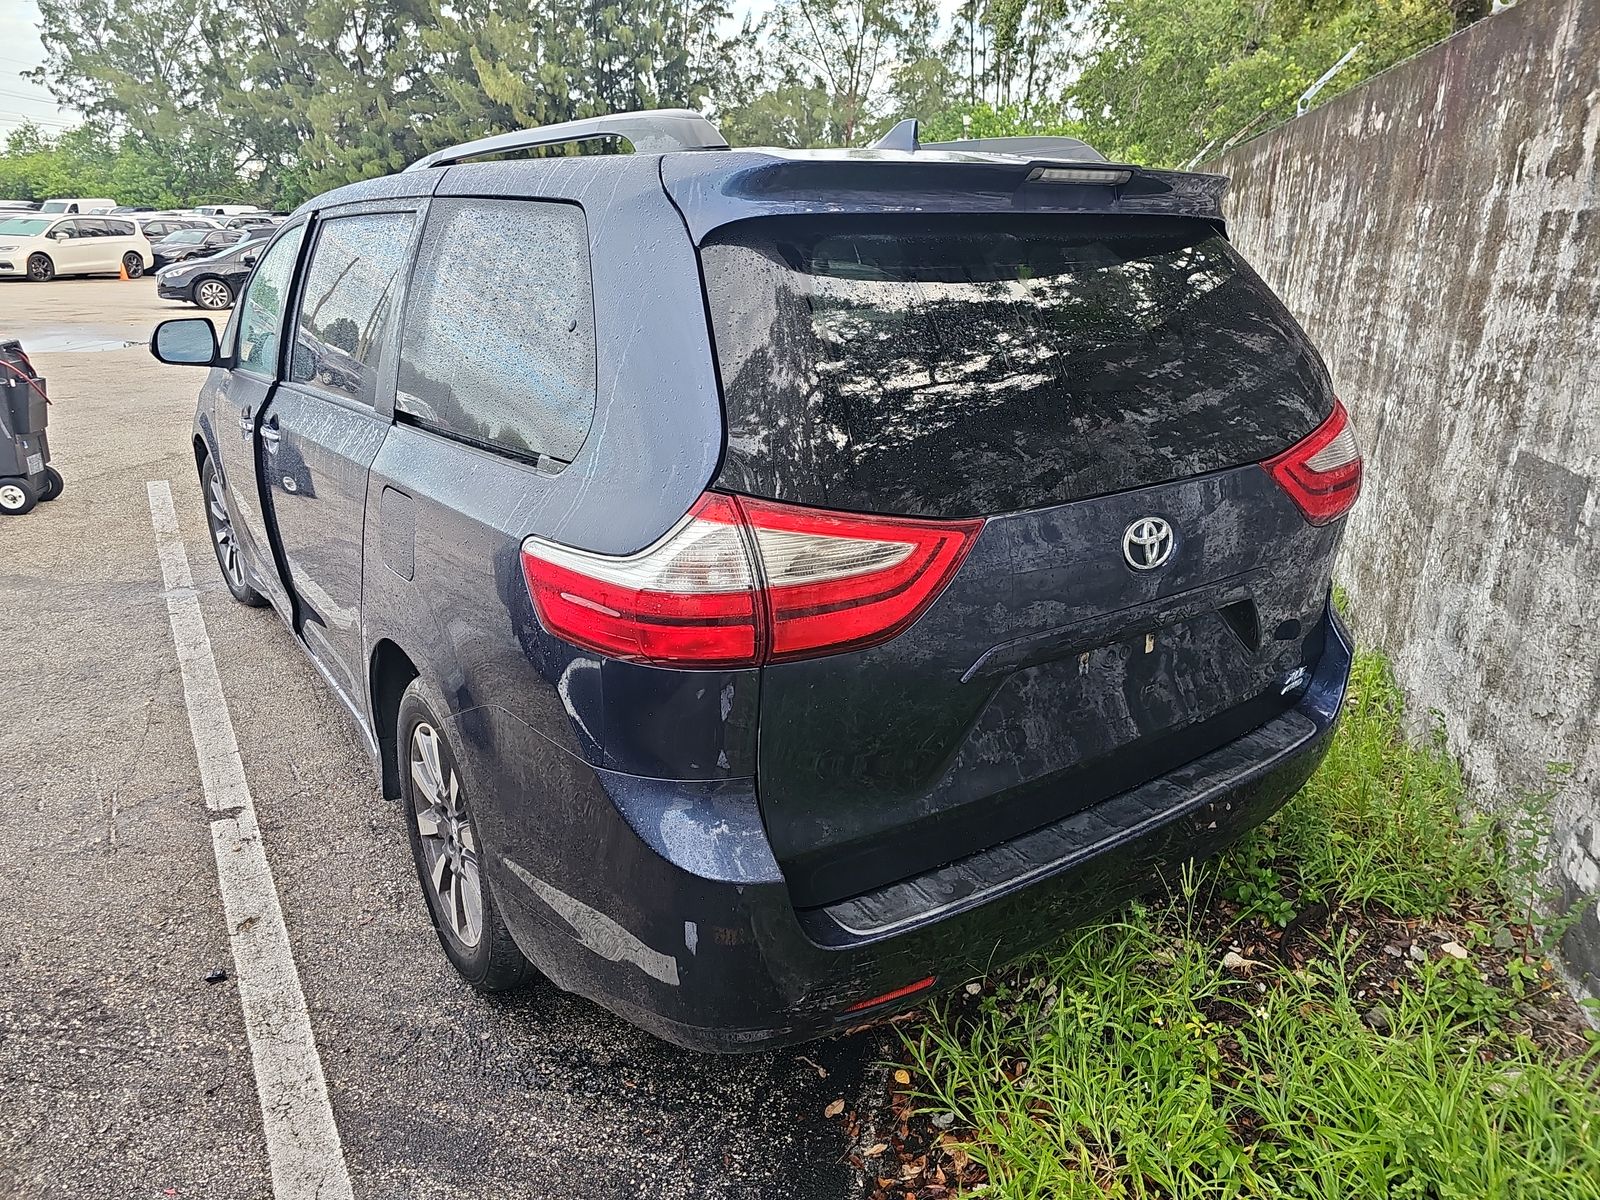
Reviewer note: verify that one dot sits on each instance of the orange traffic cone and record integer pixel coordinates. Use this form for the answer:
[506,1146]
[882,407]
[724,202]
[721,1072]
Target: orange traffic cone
[122,271]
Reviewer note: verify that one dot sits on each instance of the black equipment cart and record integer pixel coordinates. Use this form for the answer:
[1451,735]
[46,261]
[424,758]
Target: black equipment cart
[26,476]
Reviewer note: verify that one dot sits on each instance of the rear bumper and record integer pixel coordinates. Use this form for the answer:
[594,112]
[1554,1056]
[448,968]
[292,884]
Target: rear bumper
[671,911]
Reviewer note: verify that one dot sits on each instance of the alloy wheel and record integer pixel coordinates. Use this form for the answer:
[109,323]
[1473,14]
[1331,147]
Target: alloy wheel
[41,269]
[133,264]
[222,532]
[449,845]
[213,293]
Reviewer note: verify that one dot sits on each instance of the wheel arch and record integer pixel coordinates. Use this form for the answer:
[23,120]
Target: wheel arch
[390,672]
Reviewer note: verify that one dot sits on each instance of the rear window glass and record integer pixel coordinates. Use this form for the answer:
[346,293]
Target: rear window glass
[956,365]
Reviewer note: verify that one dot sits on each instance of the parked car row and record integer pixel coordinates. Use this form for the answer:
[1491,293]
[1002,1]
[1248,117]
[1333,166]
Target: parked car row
[39,246]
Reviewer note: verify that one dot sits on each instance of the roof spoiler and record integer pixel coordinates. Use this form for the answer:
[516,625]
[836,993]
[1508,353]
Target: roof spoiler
[904,137]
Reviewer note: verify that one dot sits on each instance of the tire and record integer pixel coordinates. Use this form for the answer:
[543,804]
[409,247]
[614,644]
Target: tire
[449,858]
[17,496]
[230,559]
[133,264]
[40,268]
[212,294]
[53,483]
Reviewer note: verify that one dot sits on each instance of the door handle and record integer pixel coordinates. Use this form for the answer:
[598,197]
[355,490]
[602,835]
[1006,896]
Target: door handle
[269,432]
[245,423]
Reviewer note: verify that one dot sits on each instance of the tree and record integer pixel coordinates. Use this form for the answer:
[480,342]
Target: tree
[1167,79]
[275,100]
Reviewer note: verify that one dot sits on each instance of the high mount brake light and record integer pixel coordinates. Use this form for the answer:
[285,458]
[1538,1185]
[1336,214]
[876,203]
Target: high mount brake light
[1322,471]
[739,582]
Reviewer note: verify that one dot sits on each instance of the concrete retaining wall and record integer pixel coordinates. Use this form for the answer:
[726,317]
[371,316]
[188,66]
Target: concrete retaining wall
[1437,230]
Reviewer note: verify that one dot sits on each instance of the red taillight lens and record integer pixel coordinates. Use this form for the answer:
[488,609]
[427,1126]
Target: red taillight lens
[1322,471]
[837,581]
[739,582]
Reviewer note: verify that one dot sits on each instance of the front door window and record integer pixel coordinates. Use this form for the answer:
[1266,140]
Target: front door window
[261,309]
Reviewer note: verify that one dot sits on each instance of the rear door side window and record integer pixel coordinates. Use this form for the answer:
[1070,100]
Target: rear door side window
[498,347]
[350,289]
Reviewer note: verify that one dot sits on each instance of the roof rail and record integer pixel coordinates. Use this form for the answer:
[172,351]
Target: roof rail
[903,136]
[651,132]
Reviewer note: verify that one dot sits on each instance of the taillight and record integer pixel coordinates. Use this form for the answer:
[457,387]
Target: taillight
[739,582]
[1322,471]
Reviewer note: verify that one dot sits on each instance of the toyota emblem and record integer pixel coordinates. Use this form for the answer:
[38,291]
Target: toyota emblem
[1147,543]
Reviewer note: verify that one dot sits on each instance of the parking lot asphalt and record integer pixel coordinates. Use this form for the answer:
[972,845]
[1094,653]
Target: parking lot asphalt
[123,1072]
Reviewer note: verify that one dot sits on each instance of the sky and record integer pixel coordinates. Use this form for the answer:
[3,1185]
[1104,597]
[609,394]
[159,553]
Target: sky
[20,50]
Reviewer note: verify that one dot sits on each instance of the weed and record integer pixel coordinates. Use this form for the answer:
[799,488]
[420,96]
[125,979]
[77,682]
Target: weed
[1397,1051]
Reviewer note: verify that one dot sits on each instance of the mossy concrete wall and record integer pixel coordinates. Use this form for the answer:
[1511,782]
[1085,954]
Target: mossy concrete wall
[1437,230]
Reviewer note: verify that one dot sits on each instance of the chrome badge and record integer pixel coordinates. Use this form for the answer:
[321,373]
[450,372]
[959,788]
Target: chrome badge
[1147,543]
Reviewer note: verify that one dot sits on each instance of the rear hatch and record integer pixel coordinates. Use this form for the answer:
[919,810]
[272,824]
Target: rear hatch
[1082,383]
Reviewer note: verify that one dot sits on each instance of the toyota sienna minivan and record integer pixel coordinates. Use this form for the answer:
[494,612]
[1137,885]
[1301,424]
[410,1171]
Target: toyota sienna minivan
[776,585]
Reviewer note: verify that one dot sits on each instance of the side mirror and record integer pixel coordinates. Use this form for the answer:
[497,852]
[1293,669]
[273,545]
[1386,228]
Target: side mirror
[186,342]
[59,235]
[249,260]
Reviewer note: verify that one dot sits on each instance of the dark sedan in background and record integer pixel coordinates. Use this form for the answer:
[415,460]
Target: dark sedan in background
[184,244]
[212,282]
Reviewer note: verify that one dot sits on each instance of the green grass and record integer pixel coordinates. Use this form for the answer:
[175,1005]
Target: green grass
[1131,1061]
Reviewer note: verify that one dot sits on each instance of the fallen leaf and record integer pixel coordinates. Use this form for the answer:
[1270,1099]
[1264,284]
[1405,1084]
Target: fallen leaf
[876,1149]
[1234,961]
[834,1109]
[902,1077]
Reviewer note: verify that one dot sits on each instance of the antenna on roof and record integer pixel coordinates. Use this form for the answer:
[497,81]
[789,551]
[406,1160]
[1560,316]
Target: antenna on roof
[902,137]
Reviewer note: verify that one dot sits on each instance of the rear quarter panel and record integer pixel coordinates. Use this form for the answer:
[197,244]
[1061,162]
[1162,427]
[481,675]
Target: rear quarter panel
[446,520]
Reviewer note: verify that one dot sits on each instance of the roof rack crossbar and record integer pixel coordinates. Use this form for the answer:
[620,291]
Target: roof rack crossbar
[653,132]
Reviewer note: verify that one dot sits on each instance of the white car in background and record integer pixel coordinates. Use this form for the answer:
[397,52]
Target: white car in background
[41,247]
[78,205]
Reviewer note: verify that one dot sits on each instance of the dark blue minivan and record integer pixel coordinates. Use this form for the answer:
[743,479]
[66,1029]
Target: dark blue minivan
[777,584]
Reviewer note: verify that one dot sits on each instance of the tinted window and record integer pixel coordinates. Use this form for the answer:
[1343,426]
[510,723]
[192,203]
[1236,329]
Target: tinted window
[261,310]
[951,365]
[121,228]
[356,268]
[188,237]
[498,346]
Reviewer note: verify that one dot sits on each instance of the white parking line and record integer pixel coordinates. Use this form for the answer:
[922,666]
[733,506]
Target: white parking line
[303,1148]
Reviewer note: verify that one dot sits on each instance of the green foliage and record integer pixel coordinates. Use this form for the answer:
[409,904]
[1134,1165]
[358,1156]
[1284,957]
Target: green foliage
[88,162]
[1384,820]
[1136,1060]
[204,100]
[1170,79]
